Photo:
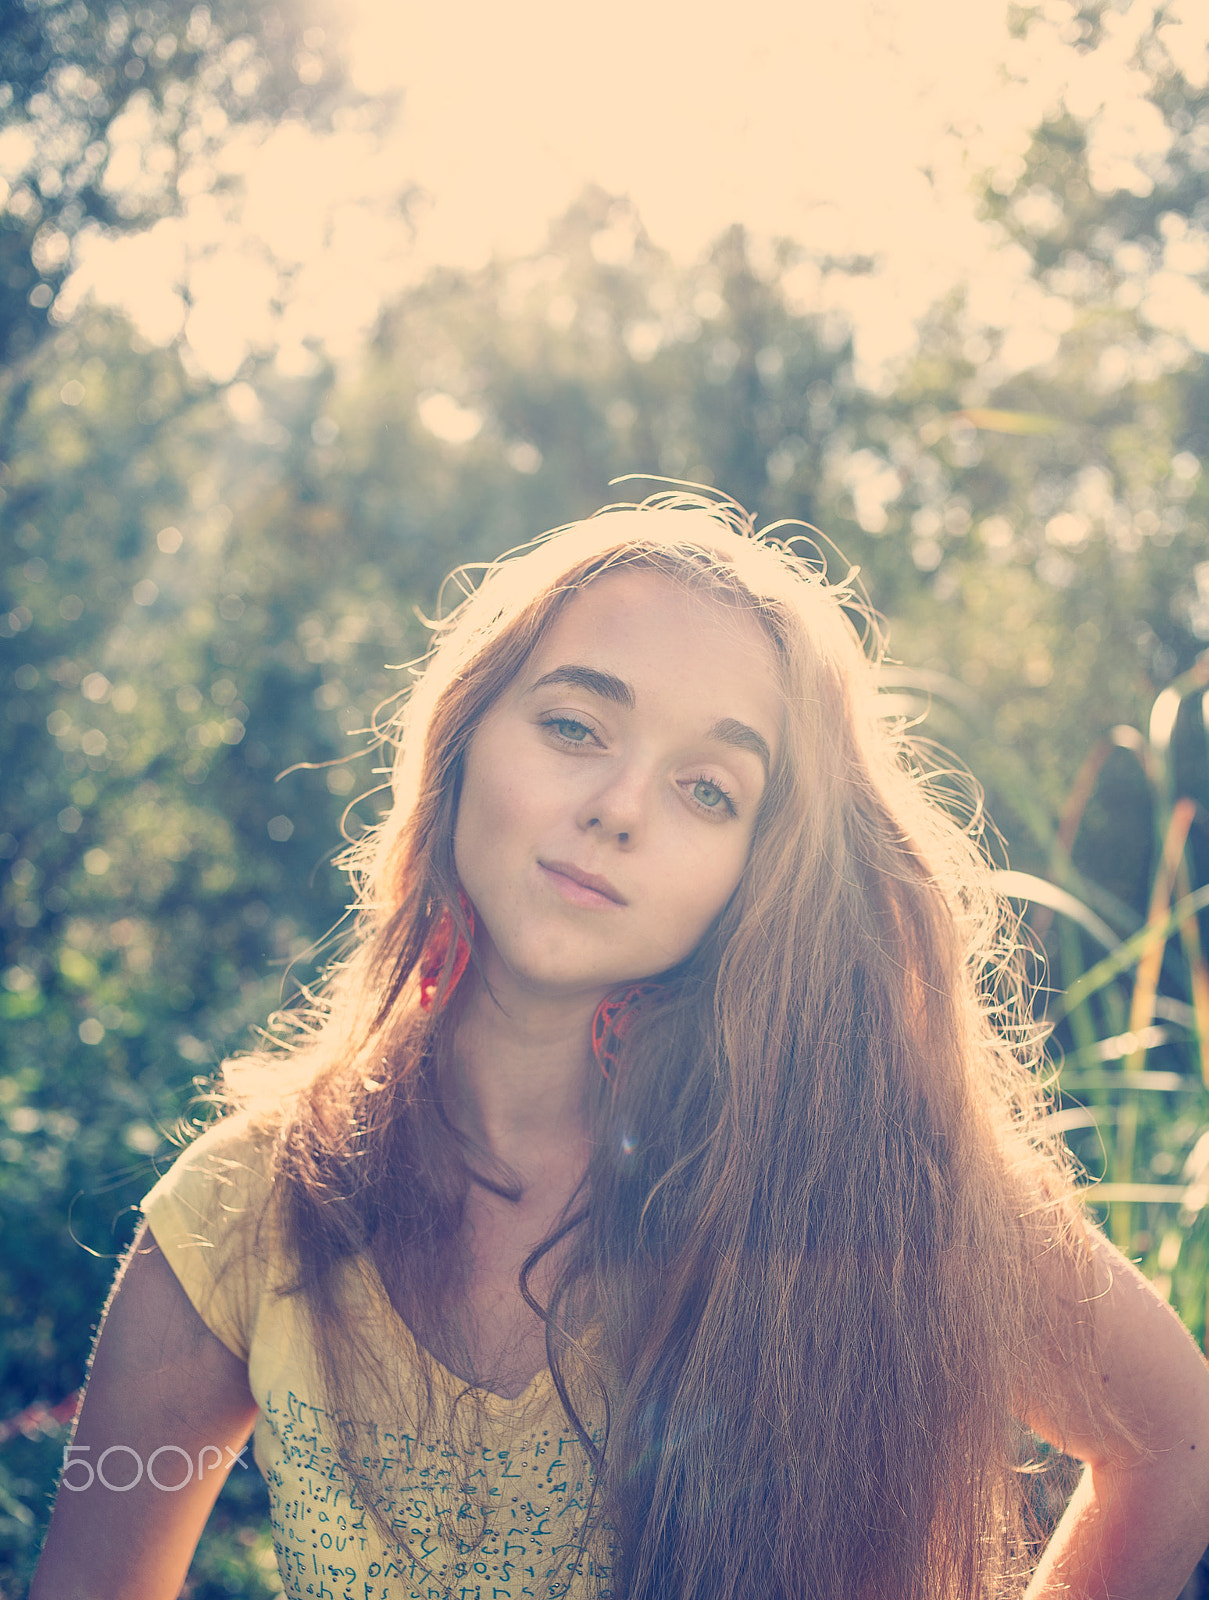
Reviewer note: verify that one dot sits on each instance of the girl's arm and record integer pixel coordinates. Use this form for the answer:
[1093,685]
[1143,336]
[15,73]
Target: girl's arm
[1139,1521]
[166,1404]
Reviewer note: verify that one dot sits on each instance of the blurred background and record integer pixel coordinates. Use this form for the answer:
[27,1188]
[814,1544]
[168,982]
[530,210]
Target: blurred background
[303,304]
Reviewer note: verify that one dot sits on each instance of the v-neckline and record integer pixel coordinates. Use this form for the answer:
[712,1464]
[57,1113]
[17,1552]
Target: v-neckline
[541,1379]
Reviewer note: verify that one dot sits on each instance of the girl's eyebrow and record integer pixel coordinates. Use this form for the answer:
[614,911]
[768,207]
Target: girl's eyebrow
[732,732]
[608,687]
[603,684]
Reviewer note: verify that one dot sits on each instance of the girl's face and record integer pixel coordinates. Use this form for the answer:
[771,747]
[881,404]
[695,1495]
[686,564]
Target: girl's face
[610,795]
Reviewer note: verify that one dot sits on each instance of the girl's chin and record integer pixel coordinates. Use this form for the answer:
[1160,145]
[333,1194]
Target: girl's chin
[545,976]
[546,982]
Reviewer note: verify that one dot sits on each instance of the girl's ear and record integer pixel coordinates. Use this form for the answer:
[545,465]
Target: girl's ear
[436,954]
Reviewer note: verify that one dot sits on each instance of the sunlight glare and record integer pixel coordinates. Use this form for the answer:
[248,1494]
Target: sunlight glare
[862,129]
[220,340]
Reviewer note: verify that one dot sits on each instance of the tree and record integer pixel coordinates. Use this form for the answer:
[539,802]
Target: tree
[113,116]
[1061,511]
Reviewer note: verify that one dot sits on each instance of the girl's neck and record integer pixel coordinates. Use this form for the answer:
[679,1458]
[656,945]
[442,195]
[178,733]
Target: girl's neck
[522,1075]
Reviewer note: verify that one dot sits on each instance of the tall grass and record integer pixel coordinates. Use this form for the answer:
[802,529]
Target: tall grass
[1121,912]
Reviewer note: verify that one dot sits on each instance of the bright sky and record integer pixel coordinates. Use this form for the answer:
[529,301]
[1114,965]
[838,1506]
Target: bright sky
[852,125]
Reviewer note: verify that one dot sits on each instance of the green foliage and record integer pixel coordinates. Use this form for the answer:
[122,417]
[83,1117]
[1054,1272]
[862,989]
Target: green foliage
[236,1556]
[1136,1021]
[1119,917]
[123,110]
[1063,204]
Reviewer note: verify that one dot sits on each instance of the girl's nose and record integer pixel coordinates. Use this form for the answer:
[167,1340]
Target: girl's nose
[618,806]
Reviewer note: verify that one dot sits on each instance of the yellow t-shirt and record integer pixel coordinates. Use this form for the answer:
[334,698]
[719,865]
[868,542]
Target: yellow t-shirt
[492,1511]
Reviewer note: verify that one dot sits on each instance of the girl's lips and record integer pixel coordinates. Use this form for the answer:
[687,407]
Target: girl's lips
[581,888]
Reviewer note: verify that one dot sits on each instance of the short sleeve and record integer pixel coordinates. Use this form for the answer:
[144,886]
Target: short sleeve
[211,1218]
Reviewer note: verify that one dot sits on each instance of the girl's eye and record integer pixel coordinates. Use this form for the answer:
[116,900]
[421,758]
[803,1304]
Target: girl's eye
[568,730]
[711,797]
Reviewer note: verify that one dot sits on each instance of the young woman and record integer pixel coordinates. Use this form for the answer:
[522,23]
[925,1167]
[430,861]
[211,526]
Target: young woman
[658,1200]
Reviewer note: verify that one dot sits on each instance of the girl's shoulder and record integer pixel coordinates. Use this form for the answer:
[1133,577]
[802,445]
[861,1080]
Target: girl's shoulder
[214,1216]
[232,1161]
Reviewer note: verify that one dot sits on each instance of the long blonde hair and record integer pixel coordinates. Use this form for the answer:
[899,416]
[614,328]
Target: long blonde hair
[800,1278]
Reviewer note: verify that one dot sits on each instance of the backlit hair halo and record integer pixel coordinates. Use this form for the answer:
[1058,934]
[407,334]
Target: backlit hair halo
[614,1015]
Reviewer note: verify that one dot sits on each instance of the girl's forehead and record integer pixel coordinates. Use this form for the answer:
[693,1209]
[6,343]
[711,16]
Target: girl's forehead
[607,601]
[682,645]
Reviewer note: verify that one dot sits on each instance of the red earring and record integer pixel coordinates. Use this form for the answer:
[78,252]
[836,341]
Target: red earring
[436,952]
[613,1020]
